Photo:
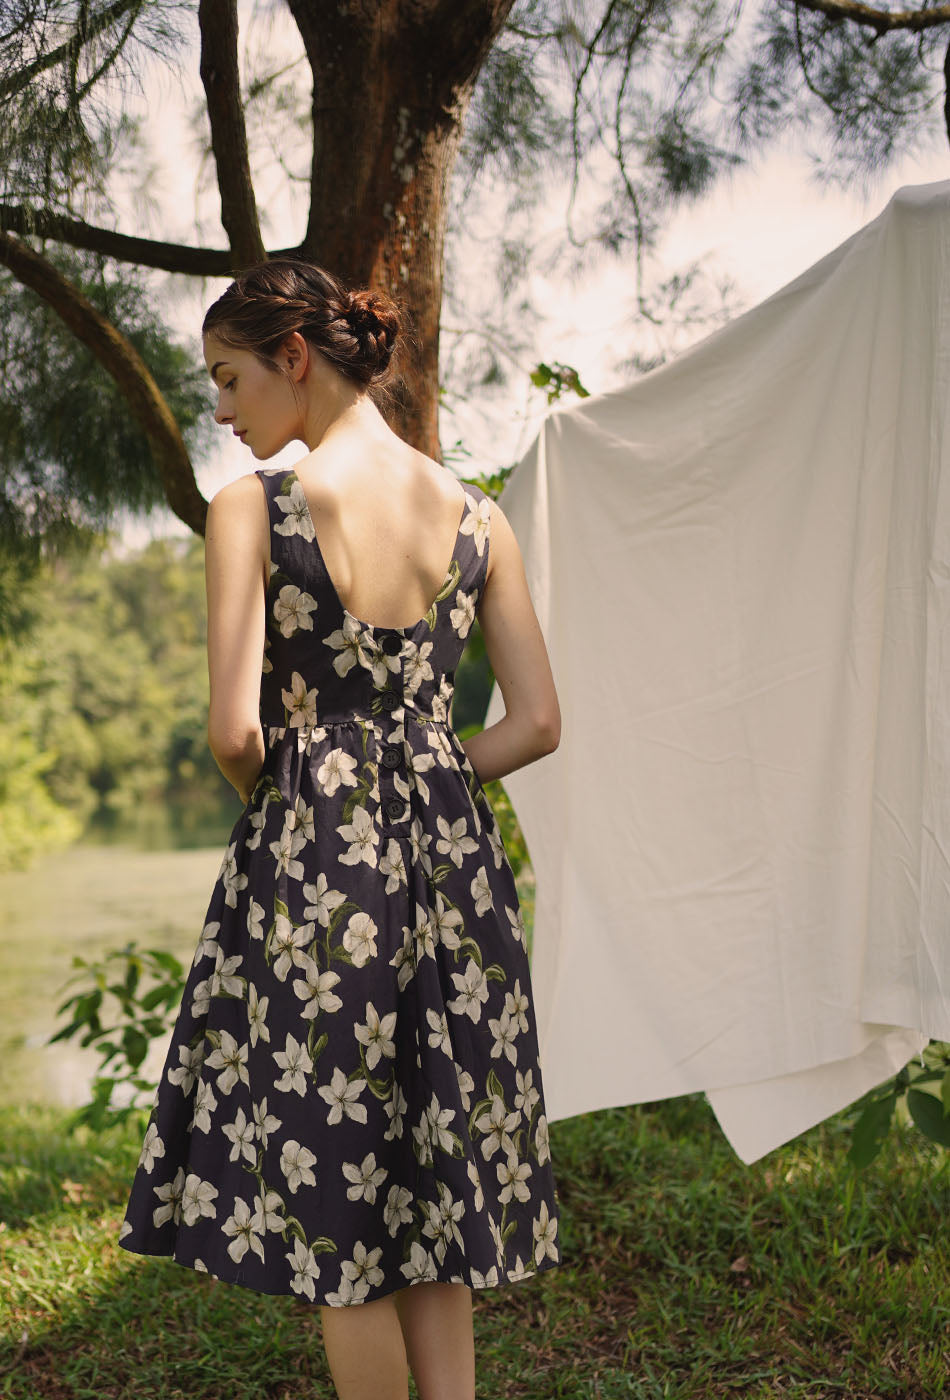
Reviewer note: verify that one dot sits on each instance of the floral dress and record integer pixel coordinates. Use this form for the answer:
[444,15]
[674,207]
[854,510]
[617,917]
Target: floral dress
[352,1100]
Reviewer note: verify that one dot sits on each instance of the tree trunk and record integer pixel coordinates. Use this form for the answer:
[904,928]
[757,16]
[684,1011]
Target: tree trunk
[391,83]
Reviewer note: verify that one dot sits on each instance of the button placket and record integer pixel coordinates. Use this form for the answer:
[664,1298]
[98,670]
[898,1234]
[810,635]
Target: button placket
[391,756]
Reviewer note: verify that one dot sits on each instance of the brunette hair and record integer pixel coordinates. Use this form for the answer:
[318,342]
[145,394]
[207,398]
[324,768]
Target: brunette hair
[356,330]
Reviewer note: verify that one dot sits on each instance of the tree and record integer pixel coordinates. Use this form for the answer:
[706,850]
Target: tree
[623,94]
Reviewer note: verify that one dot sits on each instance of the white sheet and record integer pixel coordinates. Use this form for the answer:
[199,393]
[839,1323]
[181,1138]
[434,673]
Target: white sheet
[741,565]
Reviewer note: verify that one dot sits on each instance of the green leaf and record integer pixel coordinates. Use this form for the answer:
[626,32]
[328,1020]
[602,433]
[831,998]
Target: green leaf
[870,1130]
[929,1115]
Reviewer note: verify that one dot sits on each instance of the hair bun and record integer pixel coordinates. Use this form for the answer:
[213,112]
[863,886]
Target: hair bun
[375,323]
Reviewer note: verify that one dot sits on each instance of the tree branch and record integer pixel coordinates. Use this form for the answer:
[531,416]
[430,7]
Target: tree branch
[220,74]
[124,247]
[68,52]
[881,20]
[123,362]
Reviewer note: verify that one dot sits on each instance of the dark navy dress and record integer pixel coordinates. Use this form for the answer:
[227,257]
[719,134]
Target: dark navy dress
[352,1100]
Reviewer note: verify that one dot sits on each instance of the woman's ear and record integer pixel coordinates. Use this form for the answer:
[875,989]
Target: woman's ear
[296,355]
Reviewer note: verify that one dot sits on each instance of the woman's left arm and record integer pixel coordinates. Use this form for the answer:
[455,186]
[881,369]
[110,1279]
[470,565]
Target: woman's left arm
[234,535]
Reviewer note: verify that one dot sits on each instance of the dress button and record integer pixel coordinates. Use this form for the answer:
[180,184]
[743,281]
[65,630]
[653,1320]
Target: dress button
[391,644]
[392,756]
[394,807]
[391,700]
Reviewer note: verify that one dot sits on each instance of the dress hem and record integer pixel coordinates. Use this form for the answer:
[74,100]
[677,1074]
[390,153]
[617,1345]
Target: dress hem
[381,1291]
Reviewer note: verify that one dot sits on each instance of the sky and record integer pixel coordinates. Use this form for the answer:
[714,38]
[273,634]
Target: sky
[759,227]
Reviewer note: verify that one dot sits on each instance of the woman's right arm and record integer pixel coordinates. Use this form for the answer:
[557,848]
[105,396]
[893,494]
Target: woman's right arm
[531,725]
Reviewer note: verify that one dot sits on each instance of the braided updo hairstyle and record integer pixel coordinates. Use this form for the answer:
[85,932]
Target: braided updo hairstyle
[356,331]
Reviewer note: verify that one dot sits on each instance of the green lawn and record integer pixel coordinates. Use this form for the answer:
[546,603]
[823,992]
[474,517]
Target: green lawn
[687,1275]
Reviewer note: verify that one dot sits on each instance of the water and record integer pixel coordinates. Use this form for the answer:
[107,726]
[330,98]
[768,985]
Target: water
[86,900]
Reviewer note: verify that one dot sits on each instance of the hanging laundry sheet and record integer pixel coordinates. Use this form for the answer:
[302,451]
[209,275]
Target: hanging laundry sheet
[741,566]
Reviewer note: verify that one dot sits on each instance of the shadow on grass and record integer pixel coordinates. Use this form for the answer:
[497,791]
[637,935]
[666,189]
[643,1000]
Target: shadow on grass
[685,1275]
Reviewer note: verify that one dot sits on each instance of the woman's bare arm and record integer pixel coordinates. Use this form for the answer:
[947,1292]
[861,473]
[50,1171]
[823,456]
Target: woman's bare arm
[531,725]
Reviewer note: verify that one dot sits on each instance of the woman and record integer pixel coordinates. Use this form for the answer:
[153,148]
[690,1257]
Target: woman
[352,1107]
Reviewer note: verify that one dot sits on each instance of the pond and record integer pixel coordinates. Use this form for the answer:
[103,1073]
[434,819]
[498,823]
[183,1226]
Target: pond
[85,900]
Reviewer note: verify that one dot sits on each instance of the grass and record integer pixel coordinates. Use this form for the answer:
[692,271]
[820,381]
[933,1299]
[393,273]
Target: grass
[687,1275]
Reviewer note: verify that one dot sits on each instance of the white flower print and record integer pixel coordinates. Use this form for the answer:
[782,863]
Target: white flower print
[477,518]
[513,1176]
[342,1095]
[454,841]
[463,614]
[264,1122]
[255,919]
[419,842]
[152,1147]
[301,819]
[417,669]
[171,1193]
[257,1015]
[446,919]
[295,1162]
[242,1134]
[364,1265]
[395,1107]
[516,1004]
[315,990]
[439,1034]
[267,1212]
[257,822]
[348,641]
[545,1231]
[466,1087]
[393,865]
[495,1229]
[294,505]
[497,1124]
[322,899]
[347,1293]
[421,763]
[489,1280]
[442,1221]
[404,959]
[376,1035]
[197,1199]
[541,1140]
[246,1229]
[289,942]
[301,702]
[516,920]
[231,1058]
[473,991]
[424,940]
[305,1267]
[396,1211]
[365,1177]
[228,876]
[187,1072]
[205,1105]
[207,945]
[475,1179]
[293,609]
[286,850]
[527,1095]
[438,1119]
[223,978]
[359,938]
[337,769]
[504,1030]
[363,838]
[481,890]
[420,1266]
[296,1063]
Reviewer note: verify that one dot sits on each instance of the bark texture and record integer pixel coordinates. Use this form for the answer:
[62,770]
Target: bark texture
[391,83]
